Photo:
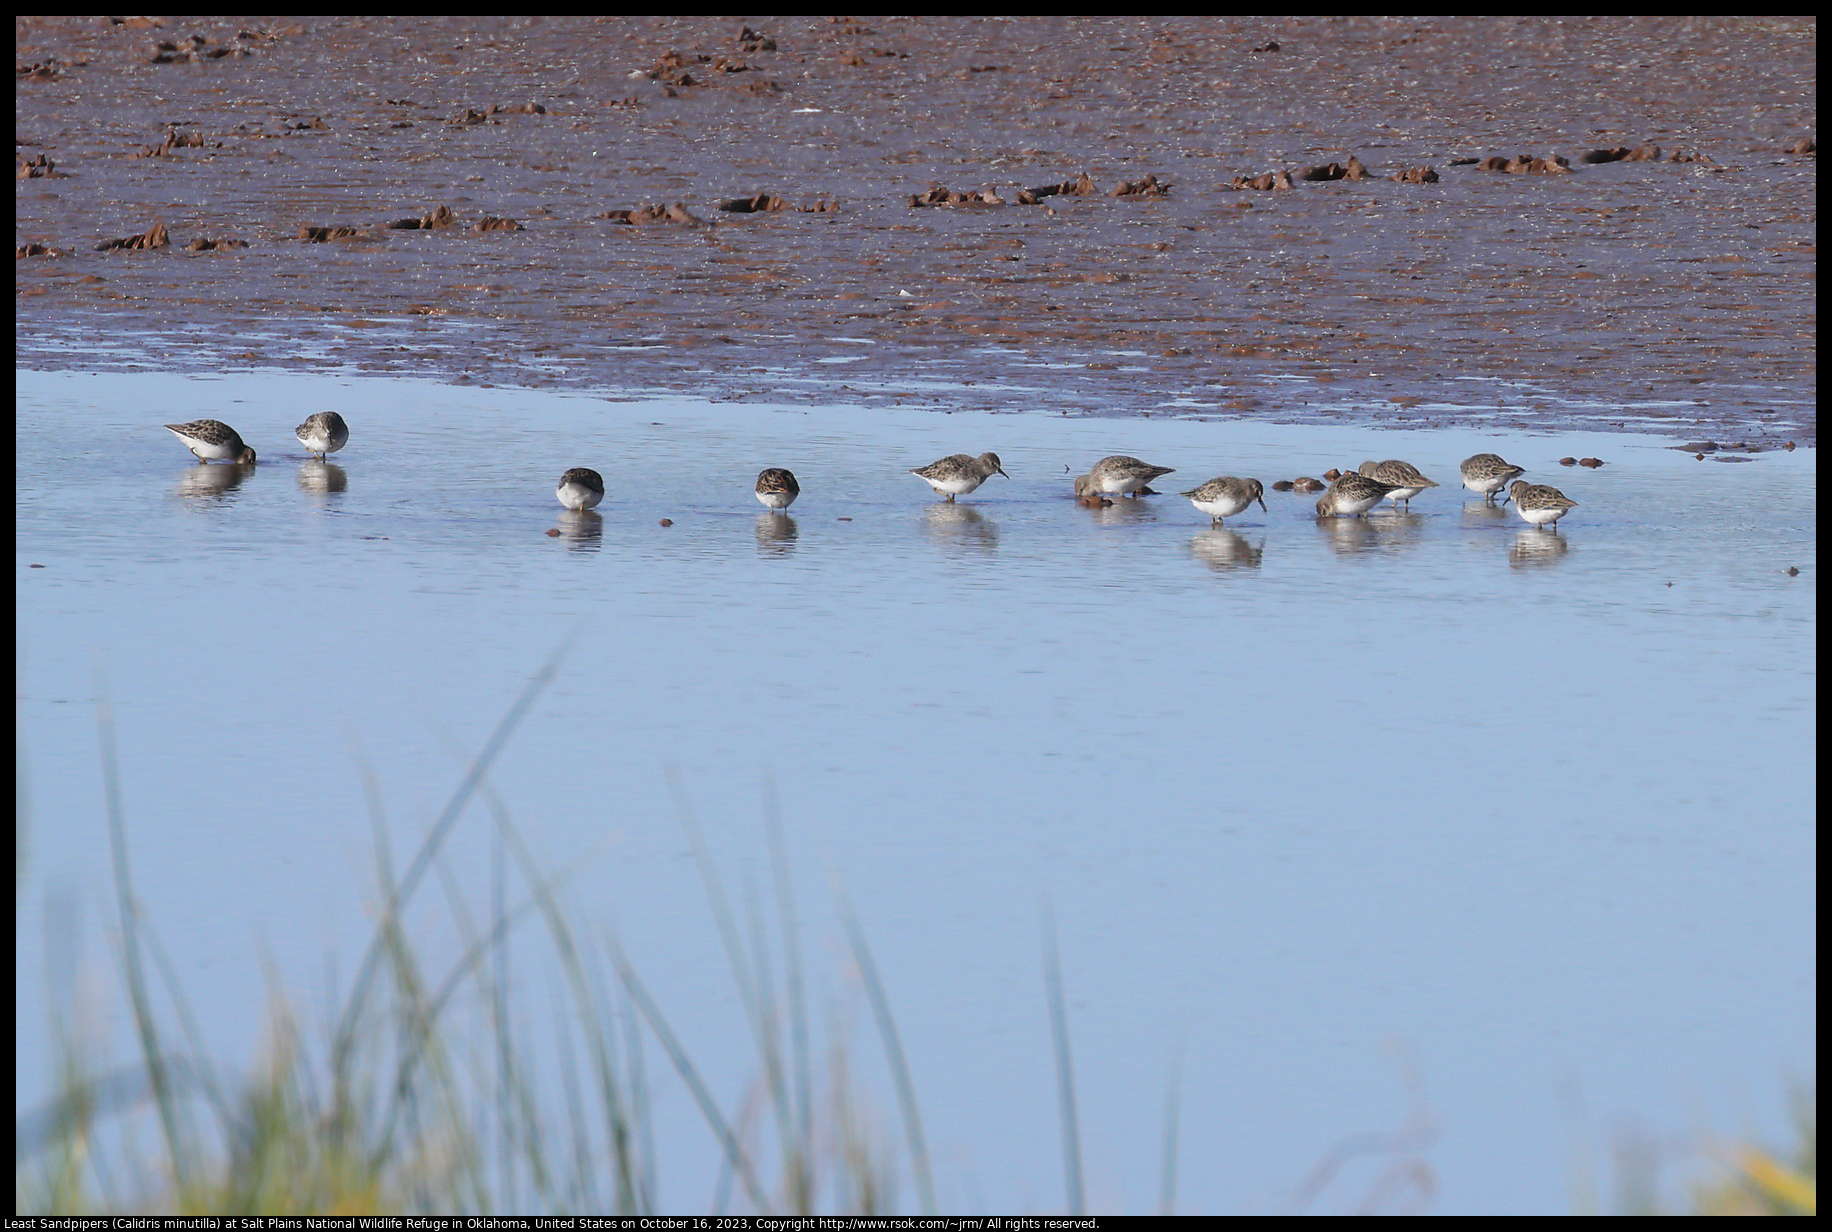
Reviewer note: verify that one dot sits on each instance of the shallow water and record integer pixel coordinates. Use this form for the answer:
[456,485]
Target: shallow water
[1533,809]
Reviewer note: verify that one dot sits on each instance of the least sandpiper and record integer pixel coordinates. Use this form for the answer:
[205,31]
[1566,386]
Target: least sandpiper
[580,488]
[1405,478]
[1487,473]
[1119,475]
[323,433]
[957,474]
[1538,503]
[1352,493]
[1226,496]
[210,438]
[777,489]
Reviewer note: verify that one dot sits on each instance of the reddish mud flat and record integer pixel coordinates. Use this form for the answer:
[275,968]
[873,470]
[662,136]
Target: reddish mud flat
[1602,222]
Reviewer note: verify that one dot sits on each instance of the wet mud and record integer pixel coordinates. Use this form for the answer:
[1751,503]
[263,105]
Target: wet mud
[1609,221]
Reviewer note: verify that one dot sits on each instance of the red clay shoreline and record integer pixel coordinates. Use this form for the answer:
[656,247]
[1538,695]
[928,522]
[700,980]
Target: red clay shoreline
[924,212]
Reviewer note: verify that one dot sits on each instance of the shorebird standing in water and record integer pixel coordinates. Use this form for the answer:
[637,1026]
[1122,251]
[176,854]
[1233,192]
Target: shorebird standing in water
[1406,480]
[777,489]
[1486,474]
[323,433]
[580,488]
[1119,475]
[958,474]
[1539,503]
[1353,494]
[1226,496]
[211,438]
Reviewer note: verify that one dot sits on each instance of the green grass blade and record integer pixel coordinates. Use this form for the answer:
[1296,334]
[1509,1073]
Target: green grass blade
[796,990]
[399,892]
[165,1098]
[1167,1188]
[1065,1068]
[754,992]
[683,1065]
[893,1051]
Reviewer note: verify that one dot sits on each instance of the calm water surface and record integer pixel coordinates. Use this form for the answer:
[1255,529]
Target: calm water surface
[1312,804]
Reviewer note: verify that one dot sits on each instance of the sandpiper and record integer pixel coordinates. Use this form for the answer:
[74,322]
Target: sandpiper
[1406,480]
[323,433]
[1487,473]
[777,489]
[1226,496]
[1538,503]
[957,474]
[580,488]
[1352,493]
[210,438]
[1119,474]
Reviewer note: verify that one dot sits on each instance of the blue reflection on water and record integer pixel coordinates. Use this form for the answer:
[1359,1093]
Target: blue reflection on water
[1537,801]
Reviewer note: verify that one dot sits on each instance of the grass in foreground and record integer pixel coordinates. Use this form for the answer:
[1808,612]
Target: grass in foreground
[402,1111]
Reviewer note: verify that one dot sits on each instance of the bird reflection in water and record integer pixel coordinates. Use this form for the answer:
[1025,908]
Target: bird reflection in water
[317,478]
[1118,509]
[1482,511]
[776,534]
[581,528]
[960,526]
[1537,545]
[1386,530]
[1222,549]
[213,482]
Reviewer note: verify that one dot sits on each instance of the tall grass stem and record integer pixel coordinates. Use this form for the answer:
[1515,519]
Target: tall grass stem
[158,1075]
[1065,1067]
[893,1051]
